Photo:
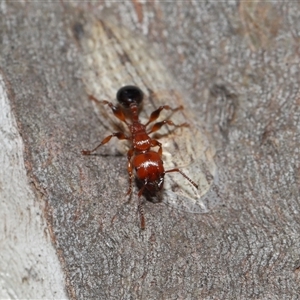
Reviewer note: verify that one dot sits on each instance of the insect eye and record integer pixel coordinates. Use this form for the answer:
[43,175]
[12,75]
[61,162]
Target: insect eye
[160,184]
[129,94]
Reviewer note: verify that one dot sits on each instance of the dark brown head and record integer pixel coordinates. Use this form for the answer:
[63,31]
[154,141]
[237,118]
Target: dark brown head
[149,171]
[155,186]
[150,189]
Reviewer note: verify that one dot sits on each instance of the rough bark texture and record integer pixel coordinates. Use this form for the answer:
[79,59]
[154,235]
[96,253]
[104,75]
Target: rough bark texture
[240,65]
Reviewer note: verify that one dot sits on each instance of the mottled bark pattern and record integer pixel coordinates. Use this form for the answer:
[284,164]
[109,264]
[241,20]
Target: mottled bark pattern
[239,63]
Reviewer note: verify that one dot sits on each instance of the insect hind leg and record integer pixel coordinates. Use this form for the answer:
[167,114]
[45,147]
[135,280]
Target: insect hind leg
[119,135]
[117,111]
[154,116]
[158,125]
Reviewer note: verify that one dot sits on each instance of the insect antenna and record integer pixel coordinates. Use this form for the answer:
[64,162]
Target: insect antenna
[185,176]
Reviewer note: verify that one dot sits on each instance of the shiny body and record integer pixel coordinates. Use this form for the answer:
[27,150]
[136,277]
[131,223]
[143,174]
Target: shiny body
[142,158]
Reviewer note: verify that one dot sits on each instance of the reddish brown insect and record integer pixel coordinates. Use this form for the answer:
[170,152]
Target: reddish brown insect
[142,158]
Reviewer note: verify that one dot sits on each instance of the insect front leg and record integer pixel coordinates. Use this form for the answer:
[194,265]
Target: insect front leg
[140,204]
[155,143]
[141,213]
[119,135]
[130,170]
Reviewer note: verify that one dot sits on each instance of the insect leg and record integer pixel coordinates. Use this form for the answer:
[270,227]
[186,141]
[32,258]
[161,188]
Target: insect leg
[130,170]
[154,116]
[158,125]
[141,208]
[185,176]
[119,135]
[117,111]
[155,143]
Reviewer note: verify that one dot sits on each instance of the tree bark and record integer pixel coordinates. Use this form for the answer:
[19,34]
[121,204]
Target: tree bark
[239,64]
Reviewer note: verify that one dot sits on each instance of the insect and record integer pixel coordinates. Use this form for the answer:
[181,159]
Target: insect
[144,159]
[114,57]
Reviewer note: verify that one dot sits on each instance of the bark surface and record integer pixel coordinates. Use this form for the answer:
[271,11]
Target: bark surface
[239,63]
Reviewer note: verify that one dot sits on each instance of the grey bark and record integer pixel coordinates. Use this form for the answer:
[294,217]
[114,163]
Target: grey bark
[240,64]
